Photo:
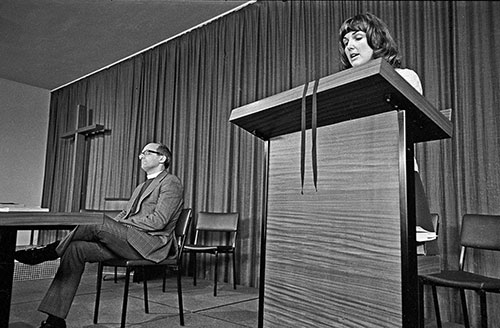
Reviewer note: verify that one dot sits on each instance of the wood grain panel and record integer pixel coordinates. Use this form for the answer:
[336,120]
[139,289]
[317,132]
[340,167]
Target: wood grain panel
[45,220]
[333,256]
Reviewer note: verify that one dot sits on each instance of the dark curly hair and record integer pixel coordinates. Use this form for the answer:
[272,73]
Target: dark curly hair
[377,35]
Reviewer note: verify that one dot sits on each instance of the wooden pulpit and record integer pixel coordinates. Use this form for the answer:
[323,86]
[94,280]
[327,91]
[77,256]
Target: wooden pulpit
[343,255]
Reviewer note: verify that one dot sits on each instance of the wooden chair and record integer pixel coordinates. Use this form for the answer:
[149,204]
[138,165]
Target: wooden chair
[427,264]
[208,227]
[175,264]
[480,232]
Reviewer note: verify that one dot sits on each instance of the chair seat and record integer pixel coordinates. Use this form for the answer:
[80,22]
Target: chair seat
[463,279]
[142,262]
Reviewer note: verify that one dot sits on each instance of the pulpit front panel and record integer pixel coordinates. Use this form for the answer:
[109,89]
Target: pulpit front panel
[333,256]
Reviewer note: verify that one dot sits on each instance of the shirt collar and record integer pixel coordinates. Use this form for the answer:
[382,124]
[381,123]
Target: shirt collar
[154,175]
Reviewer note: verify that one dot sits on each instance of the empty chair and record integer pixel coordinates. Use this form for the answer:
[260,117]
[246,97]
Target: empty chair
[429,262]
[215,234]
[175,264]
[480,232]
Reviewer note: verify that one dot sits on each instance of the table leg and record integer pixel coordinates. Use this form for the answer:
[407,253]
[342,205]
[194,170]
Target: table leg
[7,247]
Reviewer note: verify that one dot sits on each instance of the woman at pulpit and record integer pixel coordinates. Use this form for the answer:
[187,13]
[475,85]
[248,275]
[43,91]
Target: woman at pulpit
[365,37]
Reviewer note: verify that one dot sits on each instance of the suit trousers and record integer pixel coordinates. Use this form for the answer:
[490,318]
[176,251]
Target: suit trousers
[85,243]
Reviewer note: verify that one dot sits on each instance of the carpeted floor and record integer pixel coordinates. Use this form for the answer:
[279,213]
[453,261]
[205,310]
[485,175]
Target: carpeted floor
[229,309]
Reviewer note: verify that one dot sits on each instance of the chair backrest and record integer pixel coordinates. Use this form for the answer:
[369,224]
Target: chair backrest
[182,227]
[479,231]
[217,222]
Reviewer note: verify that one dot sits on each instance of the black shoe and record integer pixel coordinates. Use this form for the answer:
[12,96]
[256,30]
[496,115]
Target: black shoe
[53,322]
[45,324]
[37,255]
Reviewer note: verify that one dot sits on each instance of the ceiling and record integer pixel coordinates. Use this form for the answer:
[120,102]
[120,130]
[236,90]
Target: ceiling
[50,43]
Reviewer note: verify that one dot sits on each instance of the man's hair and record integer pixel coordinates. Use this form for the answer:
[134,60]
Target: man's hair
[377,34]
[166,152]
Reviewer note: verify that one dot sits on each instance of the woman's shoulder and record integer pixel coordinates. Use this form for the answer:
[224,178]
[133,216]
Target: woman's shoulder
[406,72]
[411,77]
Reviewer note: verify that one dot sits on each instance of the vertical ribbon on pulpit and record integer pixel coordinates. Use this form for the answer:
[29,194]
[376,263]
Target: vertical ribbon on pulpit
[314,117]
[303,135]
[314,126]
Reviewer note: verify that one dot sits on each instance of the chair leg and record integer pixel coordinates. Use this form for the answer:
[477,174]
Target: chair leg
[98,291]
[145,284]
[234,270]
[125,297]
[484,312]
[164,284]
[215,273]
[194,271]
[116,274]
[464,309]
[179,296]
[420,304]
[436,307]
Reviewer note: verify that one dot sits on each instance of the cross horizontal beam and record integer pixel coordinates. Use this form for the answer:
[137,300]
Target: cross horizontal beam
[90,129]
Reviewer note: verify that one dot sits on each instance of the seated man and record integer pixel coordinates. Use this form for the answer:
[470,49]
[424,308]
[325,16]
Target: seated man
[145,229]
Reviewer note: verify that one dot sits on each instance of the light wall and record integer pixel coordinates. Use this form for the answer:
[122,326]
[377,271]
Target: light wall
[24,116]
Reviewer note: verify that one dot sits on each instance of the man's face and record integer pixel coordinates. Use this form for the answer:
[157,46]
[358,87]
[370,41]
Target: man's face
[151,160]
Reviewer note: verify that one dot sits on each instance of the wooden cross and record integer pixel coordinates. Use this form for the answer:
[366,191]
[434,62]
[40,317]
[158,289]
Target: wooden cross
[84,128]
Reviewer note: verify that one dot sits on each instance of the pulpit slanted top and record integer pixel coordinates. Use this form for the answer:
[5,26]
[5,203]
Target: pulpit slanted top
[362,91]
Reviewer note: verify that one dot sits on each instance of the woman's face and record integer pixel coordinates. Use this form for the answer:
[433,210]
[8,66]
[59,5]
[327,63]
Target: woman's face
[357,49]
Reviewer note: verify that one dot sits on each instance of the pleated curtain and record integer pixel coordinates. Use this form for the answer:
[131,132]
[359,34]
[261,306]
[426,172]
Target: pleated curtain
[182,92]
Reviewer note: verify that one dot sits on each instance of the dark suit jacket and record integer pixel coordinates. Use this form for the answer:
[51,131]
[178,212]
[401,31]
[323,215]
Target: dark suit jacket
[152,224]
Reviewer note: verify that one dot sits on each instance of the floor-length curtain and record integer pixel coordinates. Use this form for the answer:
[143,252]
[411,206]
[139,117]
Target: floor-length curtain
[182,93]
[477,93]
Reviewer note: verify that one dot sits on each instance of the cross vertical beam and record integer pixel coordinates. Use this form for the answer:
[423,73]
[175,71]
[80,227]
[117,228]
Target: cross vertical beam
[80,159]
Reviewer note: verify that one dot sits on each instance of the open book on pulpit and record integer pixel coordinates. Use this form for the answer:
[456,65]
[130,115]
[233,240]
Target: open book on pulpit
[424,239]
[425,235]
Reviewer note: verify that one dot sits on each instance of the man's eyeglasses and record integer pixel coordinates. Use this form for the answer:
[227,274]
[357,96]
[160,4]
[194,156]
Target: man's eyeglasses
[149,152]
